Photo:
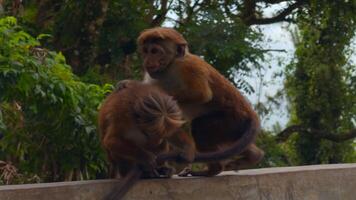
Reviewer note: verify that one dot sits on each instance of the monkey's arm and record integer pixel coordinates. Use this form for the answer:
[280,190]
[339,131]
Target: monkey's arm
[196,88]
[122,148]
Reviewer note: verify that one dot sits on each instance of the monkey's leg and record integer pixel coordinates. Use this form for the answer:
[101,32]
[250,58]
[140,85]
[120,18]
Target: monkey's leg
[113,167]
[206,131]
[250,157]
[124,166]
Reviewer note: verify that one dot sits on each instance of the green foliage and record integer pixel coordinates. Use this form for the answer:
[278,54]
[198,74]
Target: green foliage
[47,116]
[116,44]
[316,80]
[276,155]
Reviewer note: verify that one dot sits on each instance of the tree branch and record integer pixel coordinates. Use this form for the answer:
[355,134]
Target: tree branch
[272,1]
[161,16]
[286,133]
[193,10]
[252,19]
[274,50]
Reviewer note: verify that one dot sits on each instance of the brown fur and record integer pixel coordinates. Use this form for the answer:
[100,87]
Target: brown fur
[134,124]
[161,33]
[223,122]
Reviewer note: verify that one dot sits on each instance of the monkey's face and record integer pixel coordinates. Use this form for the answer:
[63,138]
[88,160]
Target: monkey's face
[158,55]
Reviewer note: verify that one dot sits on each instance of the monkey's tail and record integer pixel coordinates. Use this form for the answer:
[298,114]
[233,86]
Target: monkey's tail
[236,148]
[157,113]
[127,182]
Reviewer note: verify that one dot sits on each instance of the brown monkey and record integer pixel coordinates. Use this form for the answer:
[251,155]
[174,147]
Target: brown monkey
[223,122]
[134,124]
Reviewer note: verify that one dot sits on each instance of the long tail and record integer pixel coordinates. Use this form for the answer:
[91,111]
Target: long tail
[236,148]
[126,184]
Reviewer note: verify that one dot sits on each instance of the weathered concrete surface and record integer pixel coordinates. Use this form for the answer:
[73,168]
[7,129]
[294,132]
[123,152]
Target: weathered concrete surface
[318,182]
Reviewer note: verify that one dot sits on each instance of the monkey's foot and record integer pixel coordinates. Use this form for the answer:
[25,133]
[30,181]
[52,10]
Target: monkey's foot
[185,172]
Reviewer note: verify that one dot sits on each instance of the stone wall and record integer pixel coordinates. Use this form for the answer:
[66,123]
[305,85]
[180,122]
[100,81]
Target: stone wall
[322,182]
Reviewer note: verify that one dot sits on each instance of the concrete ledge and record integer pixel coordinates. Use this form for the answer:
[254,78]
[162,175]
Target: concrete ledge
[322,182]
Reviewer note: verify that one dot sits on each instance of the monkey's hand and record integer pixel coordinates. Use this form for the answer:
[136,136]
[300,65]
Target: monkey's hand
[150,160]
[123,84]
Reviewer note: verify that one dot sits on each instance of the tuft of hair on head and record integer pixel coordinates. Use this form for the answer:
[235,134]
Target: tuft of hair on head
[161,33]
[157,113]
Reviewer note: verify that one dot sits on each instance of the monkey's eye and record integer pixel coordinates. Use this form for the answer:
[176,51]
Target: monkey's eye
[144,50]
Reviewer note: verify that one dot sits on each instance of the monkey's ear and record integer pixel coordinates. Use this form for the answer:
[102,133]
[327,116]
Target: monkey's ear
[181,50]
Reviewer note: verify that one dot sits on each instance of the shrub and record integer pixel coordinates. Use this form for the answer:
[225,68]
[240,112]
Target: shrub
[47,116]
